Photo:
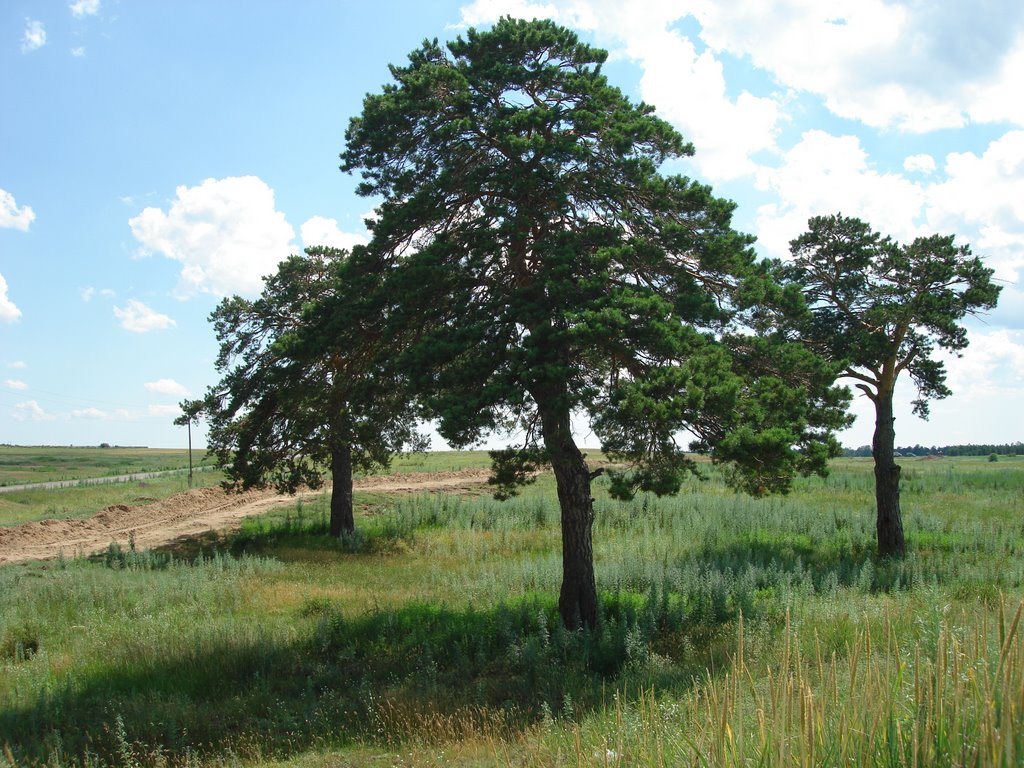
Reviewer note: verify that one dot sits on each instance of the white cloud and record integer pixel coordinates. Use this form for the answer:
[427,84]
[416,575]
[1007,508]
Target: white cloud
[87,293]
[34,36]
[321,231]
[825,174]
[913,66]
[687,85]
[978,197]
[18,365]
[984,196]
[125,414]
[81,8]
[13,217]
[89,413]
[15,384]
[689,90]
[164,411]
[920,164]
[991,368]
[225,232]
[30,410]
[78,52]
[9,312]
[575,13]
[166,387]
[139,318]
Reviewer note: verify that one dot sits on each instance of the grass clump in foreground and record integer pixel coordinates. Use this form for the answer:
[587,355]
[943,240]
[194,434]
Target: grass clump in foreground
[732,632]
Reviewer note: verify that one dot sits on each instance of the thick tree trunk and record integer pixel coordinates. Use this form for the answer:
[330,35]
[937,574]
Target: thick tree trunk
[342,519]
[887,481]
[577,601]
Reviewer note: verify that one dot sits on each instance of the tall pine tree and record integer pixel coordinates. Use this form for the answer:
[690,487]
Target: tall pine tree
[548,268]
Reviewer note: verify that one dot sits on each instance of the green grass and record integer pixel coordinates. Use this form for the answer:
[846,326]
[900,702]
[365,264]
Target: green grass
[733,631]
[81,501]
[439,461]
[20,465]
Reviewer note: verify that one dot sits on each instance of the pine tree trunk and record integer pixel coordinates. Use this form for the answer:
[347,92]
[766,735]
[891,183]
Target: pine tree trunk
[342,519]
[889,523]
[577,601]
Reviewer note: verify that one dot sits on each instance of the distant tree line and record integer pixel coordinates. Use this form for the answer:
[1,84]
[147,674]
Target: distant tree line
[1006,449]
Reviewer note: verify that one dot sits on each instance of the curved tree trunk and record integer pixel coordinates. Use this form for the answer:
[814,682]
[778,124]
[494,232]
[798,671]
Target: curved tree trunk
[577,601]
[889,523]
[342,519]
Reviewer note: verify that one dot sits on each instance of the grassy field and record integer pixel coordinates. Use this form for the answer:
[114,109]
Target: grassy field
[733,632]
[82,501]
[39,504]
[20,464]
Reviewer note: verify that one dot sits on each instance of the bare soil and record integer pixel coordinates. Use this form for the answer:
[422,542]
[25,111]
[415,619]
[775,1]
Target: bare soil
[191,513]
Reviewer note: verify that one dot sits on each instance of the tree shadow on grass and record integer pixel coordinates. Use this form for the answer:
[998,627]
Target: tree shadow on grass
[762,566]
[419,672]
[293,531]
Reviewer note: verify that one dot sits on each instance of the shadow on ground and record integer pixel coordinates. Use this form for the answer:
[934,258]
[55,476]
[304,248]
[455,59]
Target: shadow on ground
[419,672]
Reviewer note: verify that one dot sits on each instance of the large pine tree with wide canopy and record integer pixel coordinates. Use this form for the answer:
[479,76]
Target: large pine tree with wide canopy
[539,265]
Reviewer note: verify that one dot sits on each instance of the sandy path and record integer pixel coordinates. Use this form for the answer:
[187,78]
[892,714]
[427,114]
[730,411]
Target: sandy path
[190,513]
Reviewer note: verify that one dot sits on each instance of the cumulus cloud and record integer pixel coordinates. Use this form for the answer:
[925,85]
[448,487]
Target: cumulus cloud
[991,368]
[81,8]
[226,233]
[34,36]
[78,52]
[920,164]
[15,384]
[686,82]
[978,197]
[9,312]
[139,318]
[912,66]
[30,410]
[985,194]
[825,174]
[322,231]
[89,413]
[164,411]
[13,217]
[689,89]
[166,387]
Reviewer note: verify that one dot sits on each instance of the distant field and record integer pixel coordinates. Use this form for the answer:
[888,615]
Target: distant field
[43,464]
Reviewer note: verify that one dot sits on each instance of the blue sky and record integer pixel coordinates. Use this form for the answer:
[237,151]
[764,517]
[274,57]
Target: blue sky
[159,155]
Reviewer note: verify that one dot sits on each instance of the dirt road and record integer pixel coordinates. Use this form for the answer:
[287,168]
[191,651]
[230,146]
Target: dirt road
[190,513]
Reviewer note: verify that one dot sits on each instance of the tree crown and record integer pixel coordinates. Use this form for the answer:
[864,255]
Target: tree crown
[879,308]
[292,389]
[548,265]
